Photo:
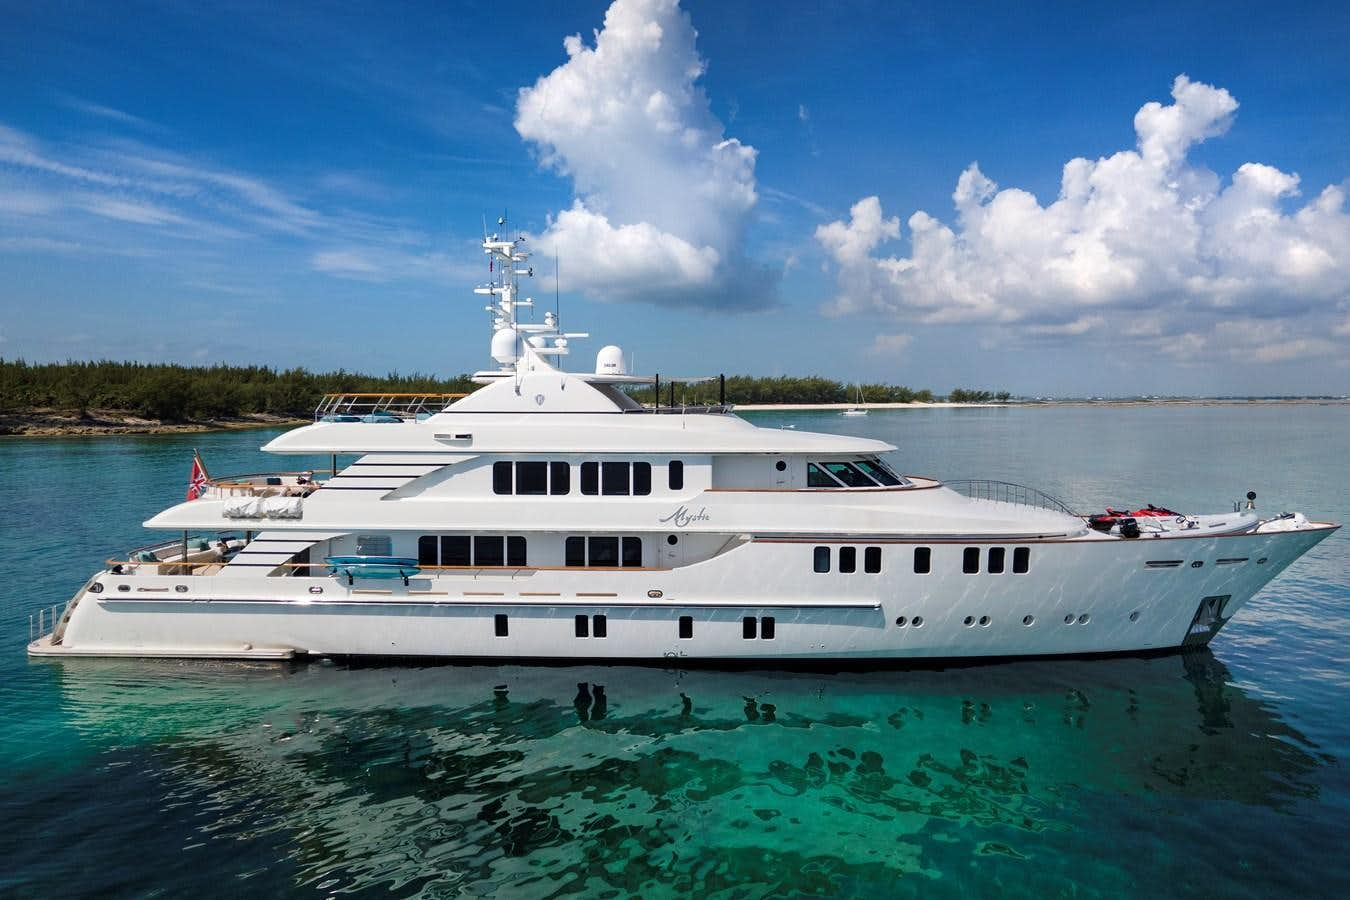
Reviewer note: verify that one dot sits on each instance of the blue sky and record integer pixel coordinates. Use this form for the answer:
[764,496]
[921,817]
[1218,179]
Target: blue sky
[876,191]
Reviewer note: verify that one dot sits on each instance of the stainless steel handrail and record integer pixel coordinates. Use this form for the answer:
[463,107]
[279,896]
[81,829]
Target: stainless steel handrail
[1007,492]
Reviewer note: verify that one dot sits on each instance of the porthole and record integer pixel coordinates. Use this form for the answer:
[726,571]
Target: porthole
[968,621]
[96,588]
[672,539]
[180,588]
[900,621]
[780,466]
[1028,620]
[124,587]
[1084,619]
[917,621]
[1134,616]
[1068,620]
[984,621]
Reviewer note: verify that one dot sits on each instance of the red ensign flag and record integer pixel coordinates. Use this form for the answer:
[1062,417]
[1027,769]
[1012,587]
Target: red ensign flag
[197,480]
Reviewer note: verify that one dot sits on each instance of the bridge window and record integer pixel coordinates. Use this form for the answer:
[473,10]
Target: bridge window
[675,475]
[848,559]
[878,472]
[848,474]
[970,560]
[872,560]
[923,560]
[821,559]
[817,477]
[1021,560]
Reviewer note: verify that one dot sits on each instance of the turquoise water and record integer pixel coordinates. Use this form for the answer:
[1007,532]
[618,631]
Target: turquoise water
[1220,773]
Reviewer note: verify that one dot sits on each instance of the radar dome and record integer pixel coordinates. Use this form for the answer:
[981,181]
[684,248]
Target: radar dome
[504,346]
[609,361]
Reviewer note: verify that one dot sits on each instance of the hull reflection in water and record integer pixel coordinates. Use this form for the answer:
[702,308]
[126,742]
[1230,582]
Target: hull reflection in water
[533,781]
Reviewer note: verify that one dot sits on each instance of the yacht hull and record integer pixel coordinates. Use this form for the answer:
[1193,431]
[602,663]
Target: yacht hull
[759,602]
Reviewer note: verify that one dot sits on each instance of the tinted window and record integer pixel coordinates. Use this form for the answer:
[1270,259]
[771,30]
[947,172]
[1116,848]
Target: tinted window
[531,478]
[822,559]
[766,628]
[487,551]
[583,626]
[455,550]
[601,626]
[849,475]
[590,478]
[427,547]
[642,479]
[816,477]
[686,627]
[501,478]
[604,551]
[499,624]
[872,560]
[923,560]
[614,479]
[515,550]
[848,559]
[632,551]
[676,474]
[970,560]
[576,551]
[996,556]
[1021,560]
[560,478]
[748,627]
[878,472]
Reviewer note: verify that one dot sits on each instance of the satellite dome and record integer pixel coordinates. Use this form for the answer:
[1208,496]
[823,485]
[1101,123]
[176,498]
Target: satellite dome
[504,346]
[609,361]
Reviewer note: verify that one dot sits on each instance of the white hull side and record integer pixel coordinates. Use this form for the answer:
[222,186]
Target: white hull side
[1099,584]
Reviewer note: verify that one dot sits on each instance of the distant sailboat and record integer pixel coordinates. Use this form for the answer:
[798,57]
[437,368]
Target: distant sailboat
[857,409]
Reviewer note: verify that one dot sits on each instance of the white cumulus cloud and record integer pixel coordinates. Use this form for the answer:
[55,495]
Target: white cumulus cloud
[662,194]
[1143,243]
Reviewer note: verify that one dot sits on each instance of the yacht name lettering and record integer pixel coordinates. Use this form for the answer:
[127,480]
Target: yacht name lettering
[682,517]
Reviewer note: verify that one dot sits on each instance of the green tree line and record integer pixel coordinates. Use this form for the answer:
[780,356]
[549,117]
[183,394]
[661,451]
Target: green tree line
[176,393]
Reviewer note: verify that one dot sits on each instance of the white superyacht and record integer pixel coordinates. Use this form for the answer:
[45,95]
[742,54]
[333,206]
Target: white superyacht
[548,516]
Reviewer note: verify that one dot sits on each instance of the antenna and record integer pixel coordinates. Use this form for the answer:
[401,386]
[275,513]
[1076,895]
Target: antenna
[557,291]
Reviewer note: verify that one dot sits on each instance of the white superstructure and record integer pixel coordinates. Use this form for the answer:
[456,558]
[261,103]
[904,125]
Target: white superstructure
[550,516]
